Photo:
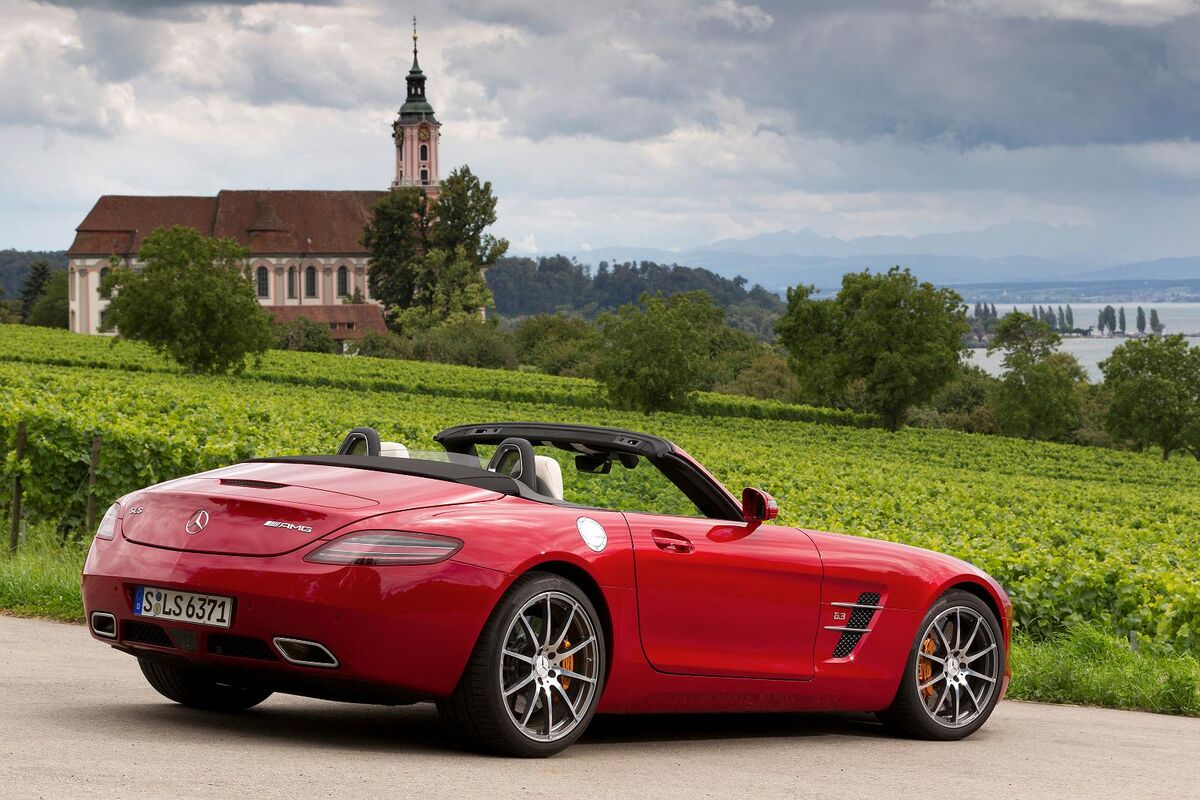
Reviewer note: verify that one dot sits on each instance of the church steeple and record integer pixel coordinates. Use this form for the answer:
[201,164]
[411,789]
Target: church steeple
[415,132]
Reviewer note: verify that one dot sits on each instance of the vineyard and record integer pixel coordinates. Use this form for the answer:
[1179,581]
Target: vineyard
[1073,533]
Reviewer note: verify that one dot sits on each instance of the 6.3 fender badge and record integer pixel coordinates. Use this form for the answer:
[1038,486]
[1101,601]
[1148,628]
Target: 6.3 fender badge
[592,532]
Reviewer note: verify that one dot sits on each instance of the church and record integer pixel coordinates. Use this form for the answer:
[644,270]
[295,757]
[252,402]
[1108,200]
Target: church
[306,254]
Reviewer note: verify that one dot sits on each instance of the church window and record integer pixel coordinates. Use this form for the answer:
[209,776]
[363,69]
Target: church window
[343,284]
[424,152]
[424,176]
[264,281]
[292,282]
[310,282]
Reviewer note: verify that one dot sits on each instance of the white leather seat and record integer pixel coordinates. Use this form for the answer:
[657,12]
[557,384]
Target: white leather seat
[393,450]
[549,475]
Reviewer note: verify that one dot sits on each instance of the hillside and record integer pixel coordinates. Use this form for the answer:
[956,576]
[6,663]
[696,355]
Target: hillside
[14,266]
[1074,533]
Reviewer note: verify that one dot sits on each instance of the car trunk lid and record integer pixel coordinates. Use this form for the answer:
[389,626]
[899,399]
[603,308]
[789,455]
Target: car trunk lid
[267,509]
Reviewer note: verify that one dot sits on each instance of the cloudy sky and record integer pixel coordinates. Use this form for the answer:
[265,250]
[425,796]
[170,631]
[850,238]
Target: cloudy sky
[665,123]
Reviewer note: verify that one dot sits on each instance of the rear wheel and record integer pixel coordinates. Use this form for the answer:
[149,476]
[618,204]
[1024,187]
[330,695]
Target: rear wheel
[196,691]
[954,672]
[534,680]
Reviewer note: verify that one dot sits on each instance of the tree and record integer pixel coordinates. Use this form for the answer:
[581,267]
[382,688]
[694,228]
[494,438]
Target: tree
[1038,395]
[190,300]
[1021,334]
[1039,398]
[1101,321]
[557,343]
[35,284]
[885,337]
[1156,326]
[51,308]
[653,355]
[304,335]
[1110,319]
[1121,320]
[397,237]
[430,255]
[1155,387]
[1070,319]
[1062,320]
[464,210]
[1141,320]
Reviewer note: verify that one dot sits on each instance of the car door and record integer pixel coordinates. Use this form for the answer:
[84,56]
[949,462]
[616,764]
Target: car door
[726,598]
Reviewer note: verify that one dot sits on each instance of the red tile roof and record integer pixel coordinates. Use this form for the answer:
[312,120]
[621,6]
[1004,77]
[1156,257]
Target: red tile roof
[268,222]
[365,317]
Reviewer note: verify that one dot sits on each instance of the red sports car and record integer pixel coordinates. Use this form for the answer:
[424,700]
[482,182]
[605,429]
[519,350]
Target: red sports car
[523,603]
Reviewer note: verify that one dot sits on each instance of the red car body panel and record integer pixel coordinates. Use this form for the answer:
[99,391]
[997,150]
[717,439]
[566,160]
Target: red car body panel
[700,614]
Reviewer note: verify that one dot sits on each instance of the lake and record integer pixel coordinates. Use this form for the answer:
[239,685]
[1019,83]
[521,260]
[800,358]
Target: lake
[1091,350]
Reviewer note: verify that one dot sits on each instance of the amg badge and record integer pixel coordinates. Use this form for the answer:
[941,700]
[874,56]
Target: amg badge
[288,525]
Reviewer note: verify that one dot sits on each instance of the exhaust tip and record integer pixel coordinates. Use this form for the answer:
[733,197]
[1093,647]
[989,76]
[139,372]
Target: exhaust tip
[304,653]
[104,624]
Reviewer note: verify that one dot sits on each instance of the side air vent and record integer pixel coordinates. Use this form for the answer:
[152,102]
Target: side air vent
[252,484]
[859,623]
[145,633]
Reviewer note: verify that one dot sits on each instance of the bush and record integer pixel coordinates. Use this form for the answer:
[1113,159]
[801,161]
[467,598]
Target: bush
[766,376]
[467,342]
[557,344]
[51,309]
[304,335]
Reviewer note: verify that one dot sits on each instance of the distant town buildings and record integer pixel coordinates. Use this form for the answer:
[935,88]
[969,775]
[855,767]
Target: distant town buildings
[306,253]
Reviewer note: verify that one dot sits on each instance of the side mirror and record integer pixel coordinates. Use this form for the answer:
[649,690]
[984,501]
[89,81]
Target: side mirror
[758,506]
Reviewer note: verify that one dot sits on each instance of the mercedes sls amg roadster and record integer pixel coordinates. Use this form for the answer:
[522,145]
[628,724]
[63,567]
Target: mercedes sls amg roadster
[524,577]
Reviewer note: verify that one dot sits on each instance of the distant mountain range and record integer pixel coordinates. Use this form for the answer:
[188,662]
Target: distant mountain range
[1016,253]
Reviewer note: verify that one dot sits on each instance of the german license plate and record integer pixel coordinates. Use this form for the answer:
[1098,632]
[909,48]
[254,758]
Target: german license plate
[202,609]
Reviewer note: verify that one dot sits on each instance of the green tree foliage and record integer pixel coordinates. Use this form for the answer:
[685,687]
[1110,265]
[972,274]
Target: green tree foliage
[654,355]
[558,344]
[430,255]
[1062,320]
[51,309]
[190,300]
[1155,325]
[1121,319]
[34,285]
[893,340]
[1141,320]
[15,266]
[467,341]
[1020,334]
[1038,396]
[1070,319]
[380,345]
[764,375]
[397,236]
[1155,388]
[524,286]
[304,335]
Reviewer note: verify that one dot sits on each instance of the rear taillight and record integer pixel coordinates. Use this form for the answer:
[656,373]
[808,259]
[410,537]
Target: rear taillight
[108,523]
[385,548]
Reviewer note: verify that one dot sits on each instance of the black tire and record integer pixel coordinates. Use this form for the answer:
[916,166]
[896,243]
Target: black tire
[909,714]
[476,714]
[196,691]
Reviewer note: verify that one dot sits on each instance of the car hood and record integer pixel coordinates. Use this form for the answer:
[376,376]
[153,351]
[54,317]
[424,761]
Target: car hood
[266,509]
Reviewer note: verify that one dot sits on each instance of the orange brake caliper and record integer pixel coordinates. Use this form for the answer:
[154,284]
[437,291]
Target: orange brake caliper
[568,663]
[925,666]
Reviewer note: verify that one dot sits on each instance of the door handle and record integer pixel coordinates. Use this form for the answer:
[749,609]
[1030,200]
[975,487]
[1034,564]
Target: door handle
[671,542]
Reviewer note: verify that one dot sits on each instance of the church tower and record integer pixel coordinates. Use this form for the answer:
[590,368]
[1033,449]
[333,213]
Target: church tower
[416,134]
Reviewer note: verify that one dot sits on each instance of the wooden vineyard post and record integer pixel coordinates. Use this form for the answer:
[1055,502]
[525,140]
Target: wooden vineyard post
[16,492]
[93,464]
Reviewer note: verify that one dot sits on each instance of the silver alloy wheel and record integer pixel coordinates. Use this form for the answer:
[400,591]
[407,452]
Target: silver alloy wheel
[958,667]
[549,666]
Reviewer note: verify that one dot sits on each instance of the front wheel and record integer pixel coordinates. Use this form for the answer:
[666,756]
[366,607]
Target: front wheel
[196,691]
[953,676]
[534,680]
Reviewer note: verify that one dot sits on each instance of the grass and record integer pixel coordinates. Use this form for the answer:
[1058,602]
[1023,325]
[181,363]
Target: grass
[1083,666]
[42,578]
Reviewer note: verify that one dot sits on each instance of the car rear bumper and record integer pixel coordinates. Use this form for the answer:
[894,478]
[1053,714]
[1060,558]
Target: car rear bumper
[400,632]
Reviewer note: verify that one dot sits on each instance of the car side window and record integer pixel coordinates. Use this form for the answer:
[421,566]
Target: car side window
[640,488]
